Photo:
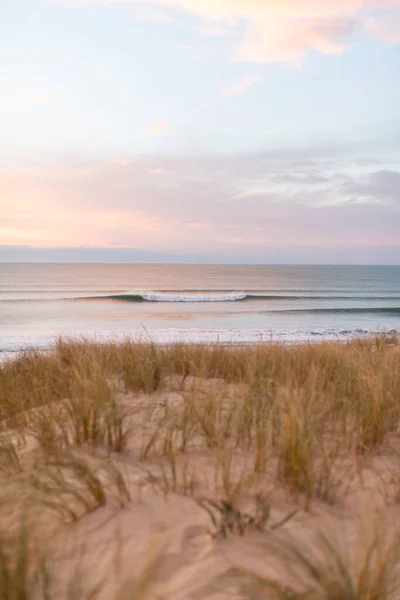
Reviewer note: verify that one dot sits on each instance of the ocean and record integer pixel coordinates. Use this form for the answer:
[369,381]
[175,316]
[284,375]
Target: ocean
[193,303]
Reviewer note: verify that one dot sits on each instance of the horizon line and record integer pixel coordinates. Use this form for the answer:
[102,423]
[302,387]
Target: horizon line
[201,264]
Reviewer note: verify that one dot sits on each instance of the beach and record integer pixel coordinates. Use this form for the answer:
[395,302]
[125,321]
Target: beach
[199,300]
[179,432]
[136,470]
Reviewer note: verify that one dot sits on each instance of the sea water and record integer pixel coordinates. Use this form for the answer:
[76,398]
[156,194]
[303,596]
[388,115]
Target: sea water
[194,303]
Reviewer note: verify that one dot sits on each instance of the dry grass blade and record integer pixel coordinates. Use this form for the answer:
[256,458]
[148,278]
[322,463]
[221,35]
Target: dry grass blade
[117,481]
[24,572]
[69,486]
[324,569]
[9,457]
[14,576]
[296,449]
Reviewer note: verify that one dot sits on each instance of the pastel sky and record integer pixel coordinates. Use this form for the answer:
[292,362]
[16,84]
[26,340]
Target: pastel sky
[256,131]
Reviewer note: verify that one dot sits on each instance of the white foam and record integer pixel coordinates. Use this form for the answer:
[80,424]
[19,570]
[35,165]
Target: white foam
[11,344]
[163,297]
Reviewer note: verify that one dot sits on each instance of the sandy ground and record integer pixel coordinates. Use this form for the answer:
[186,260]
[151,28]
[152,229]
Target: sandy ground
[170,542]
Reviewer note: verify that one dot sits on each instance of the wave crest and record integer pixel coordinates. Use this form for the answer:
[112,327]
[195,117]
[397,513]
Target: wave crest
[171,297]
[161,297]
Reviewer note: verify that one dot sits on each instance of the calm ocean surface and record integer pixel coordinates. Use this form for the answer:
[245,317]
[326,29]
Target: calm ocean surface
[170,303]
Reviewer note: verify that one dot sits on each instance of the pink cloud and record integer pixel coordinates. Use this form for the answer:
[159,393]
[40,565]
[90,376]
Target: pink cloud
[161,171]
[121,162]
[200,225]
[234,10]
[241,86]
[190,224]
[288,40]
[385,28]
[122,202]
[285,30]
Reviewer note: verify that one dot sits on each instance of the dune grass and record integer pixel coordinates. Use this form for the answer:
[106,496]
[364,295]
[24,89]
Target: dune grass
[323,568]
[264,417]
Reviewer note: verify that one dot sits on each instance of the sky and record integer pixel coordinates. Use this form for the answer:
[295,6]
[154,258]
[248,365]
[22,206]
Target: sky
[212,131]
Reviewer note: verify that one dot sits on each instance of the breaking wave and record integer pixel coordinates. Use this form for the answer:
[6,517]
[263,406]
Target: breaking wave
[219,297]
[198,296]
[177,297]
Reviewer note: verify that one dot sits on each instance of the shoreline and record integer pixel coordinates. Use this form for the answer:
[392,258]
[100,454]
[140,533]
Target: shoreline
[194,336]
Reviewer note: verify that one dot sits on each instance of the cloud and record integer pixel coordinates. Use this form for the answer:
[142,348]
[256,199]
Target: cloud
[285,202]
[158,126]
[190,224]
[285,30]
[241,86]
[115,253]
[289,40]
[380,186]
[161,171]
[385,29]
